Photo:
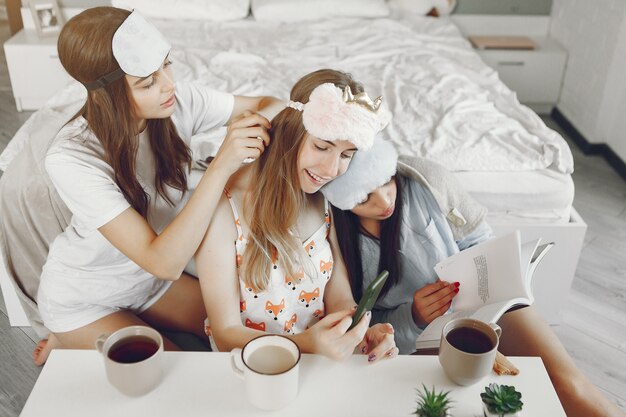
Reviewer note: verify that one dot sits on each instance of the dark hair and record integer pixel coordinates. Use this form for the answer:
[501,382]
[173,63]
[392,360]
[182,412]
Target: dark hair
[86,54]
[349,230]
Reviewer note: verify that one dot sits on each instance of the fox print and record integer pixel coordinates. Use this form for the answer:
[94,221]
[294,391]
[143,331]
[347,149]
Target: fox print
[274,310]
[307,298]
[326,268]
[295,280]
[289,324]
[309,247]
[256,326]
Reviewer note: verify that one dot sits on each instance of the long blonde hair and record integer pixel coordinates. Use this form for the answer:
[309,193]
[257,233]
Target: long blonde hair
[275,202]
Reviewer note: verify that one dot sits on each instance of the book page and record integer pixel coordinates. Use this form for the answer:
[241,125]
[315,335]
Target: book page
[527,252]
[538,255]
[488,273]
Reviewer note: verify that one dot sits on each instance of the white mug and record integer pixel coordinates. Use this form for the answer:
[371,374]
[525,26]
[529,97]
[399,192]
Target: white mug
[132,359]
[468,349]
[270,370]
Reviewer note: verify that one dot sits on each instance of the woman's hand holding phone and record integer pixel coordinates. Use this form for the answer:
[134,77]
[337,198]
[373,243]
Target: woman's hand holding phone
[331,338]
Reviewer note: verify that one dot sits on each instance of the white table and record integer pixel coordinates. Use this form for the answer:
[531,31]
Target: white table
[73,383]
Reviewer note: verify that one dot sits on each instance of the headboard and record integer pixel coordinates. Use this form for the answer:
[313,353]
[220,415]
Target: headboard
[464,7]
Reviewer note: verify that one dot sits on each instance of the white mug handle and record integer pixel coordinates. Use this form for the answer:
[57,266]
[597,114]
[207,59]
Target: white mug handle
[100,341]
[235,356]
[496,329]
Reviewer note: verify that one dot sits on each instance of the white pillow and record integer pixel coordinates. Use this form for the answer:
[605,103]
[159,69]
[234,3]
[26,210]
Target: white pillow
[298,10]
[188,9]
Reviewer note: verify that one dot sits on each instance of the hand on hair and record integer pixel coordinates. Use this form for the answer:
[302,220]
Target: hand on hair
[246,138]
[331,337]
[432,301]
[378,343]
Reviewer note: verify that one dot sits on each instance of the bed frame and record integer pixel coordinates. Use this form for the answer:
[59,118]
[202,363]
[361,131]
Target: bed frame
[553,278]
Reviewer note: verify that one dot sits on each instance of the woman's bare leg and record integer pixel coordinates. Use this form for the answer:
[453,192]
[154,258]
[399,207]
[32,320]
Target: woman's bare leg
[526,333]
[85,337]
[181,308]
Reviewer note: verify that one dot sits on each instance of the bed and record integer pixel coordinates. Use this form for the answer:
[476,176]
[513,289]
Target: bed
[448,106]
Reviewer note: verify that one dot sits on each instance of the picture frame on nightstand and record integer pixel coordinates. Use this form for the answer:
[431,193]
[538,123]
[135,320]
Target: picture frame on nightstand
[46,16]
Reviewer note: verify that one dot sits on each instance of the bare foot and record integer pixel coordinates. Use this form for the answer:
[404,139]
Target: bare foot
[43,349]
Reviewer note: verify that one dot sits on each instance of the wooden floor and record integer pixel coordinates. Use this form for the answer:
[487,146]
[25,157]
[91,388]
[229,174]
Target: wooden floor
[594,321]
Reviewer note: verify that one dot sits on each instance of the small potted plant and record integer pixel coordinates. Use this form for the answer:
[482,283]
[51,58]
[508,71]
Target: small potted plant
[432,404]
[501,401]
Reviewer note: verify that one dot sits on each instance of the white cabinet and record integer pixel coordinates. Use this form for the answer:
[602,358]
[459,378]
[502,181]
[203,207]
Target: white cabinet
[34,69]
[535,75]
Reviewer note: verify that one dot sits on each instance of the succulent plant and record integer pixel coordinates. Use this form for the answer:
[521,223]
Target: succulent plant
[431,403]
[502,399]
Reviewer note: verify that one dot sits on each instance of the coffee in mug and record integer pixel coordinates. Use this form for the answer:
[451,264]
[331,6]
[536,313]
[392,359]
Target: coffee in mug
[132,359]
[468,349]
[133,349]
[268,365]
[469,340]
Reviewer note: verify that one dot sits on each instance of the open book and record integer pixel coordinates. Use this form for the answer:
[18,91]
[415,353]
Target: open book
[495,277]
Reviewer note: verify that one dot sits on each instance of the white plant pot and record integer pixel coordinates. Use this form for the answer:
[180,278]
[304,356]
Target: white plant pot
[490,414]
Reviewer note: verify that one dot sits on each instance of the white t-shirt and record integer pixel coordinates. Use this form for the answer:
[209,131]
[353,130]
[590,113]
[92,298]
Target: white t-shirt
[84,269]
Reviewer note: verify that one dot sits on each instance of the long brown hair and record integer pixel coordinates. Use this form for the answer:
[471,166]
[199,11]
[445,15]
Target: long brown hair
[86,54]
[276,200]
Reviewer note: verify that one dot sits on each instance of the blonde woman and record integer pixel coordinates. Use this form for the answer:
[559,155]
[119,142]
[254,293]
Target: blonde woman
[269,261]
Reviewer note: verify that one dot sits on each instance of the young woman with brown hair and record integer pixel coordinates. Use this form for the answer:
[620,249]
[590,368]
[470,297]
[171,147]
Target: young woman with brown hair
[283,272]
[121,167]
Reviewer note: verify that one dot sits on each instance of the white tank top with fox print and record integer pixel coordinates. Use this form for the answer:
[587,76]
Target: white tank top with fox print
[290,304]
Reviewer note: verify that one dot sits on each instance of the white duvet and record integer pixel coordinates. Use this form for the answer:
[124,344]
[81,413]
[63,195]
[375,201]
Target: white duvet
[447,104]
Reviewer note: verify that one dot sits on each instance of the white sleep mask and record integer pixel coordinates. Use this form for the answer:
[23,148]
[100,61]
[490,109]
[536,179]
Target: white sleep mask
[138,47]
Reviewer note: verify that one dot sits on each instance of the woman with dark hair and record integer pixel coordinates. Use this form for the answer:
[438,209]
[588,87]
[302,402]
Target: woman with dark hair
[121,166]
[408,214]
[268,262]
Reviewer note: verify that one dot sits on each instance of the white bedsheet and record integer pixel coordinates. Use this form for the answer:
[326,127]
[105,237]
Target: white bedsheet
[448,105]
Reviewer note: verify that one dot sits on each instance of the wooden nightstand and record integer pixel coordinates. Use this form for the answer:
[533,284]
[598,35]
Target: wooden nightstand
[535,75]
[34,69]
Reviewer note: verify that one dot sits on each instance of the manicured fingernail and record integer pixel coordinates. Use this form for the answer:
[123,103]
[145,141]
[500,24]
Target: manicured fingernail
[371,357]
[457,284]
[390,327]
[363,349]
[456,291]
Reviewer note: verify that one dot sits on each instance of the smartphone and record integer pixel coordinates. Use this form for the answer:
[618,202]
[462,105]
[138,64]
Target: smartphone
[369,297]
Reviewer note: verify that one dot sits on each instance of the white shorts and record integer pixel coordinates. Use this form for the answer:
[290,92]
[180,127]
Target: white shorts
[70,299]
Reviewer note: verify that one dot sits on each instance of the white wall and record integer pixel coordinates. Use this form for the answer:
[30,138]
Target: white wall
[593,97]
